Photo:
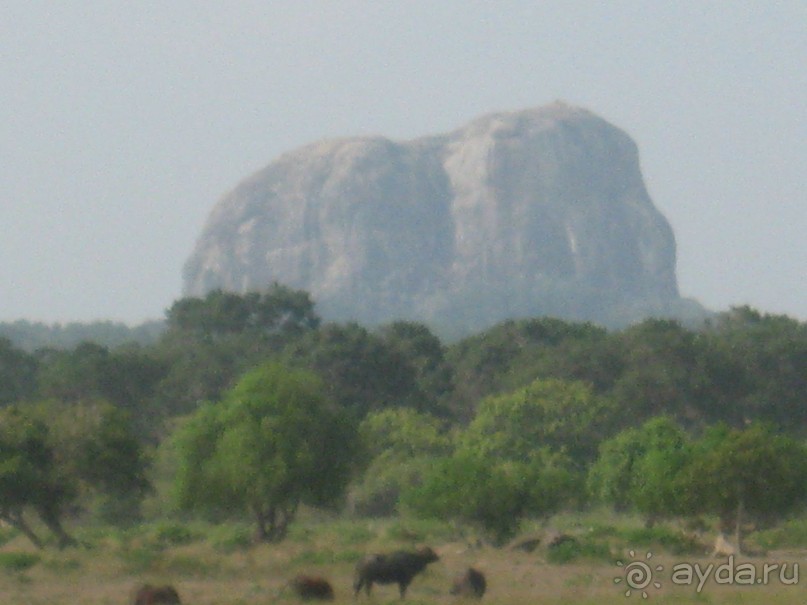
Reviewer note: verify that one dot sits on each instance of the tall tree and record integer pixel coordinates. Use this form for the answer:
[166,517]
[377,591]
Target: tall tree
[493,494]
[30,479]
[564,416]
[55,458]
[211,341]
[639,469]
[17,373]
[398,445]
[514,353]
[97,446]
[763,359]
[662,373]
[273,443]
[424,352]
[361,370]
[277,312]
[745,474]
[126,376]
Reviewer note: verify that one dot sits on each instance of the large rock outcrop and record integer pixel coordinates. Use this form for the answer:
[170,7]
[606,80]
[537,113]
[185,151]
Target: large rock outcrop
[517,214]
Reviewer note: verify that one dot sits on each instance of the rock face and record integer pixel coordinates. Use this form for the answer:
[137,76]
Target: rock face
[517,214]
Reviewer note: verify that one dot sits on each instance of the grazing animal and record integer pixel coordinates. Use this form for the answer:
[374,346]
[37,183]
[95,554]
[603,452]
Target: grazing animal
[470,584]
[156,595]
[312,588]
[393,568]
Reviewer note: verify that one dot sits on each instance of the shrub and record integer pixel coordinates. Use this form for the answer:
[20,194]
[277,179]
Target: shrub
[172,534]
[229,538]
[572,550]
[7,534]
[379,491]
[791,534]
[18,561]
[141,558]
[61,565]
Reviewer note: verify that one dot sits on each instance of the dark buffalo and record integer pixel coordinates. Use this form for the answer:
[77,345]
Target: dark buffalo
[470,584]
[156,595]
[393,568]
[312,588]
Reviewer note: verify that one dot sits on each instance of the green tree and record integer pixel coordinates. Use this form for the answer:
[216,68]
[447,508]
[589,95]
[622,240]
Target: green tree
[493,495]
[71,376]
[761,374]
[424,352]
[272,443]
[96,446]
[471,490]
[662,370]
[30,479]
[639,469]
[362,371]
[211,341]
[514,353]
[551,413]
[404,432]
[56,458]
[512,461]
[738,474]
[126,377]
[17,373]
[278,313]
[199,371]
[399,444]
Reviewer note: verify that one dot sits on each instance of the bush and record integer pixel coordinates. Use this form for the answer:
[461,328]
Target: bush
[229,538]
[121,511]
[61,565]
[7,534]
[141,558]
[18,561]
[574,549]
[791,534]
[378,493]
[472,490]
[172,534]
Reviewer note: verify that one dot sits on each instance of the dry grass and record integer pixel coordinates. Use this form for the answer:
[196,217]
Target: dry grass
[105,572]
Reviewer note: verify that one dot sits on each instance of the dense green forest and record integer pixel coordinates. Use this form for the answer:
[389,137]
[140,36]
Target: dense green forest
[251,406]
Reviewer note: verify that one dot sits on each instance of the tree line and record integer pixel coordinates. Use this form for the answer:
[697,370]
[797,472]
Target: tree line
[250,404]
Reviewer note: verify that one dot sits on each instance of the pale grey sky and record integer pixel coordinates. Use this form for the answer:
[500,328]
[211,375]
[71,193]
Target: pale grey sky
[124,122]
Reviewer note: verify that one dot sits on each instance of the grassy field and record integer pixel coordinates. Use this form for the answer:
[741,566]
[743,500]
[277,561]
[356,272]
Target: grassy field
[215,565]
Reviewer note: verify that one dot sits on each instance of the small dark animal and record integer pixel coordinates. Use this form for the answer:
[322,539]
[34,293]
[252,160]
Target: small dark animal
[312,588]
[156,595]
[470,584]
[393,568]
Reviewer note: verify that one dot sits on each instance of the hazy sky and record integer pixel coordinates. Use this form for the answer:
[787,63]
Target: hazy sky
[123,123]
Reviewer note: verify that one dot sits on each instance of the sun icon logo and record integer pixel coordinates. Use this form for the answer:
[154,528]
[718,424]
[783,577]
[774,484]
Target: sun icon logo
[638,575]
